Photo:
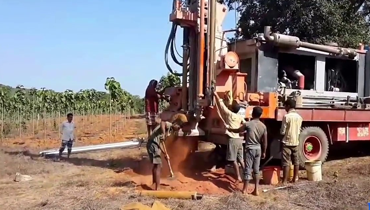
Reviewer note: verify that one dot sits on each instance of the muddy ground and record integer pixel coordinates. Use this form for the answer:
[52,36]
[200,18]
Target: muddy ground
[106,180]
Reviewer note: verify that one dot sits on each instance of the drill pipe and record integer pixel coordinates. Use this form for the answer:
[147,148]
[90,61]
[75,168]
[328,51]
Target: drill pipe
[171,194]
[119,145]
[293,41]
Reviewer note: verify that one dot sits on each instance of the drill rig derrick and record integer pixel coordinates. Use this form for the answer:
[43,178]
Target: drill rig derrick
[207,64]
[205,60]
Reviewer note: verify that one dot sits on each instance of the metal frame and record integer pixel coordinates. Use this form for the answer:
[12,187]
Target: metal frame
[329,115]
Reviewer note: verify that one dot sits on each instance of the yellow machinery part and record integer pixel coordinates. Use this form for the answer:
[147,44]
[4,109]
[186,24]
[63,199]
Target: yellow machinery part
[171,194]
[136,206]
[139,206]
[159,206]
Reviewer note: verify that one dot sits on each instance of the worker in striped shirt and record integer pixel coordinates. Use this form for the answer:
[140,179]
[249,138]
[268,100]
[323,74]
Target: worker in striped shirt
[290,129]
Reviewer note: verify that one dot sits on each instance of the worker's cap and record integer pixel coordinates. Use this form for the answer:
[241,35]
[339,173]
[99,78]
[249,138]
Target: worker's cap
[179,119]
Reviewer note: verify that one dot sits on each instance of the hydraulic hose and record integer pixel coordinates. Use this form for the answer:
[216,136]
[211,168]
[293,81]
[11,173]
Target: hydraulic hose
[169,45]
[174,2]
[173,45]
[171,48]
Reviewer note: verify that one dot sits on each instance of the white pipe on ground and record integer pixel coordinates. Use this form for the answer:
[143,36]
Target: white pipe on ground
[90,148]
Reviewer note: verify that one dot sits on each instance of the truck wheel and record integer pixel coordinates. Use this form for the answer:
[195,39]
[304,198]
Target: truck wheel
[313,145]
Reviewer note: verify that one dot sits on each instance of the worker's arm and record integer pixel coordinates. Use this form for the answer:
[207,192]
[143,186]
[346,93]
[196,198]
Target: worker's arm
[160,95]
[163,128]
[75,132]
[217,98]
[163,136]
[162,147]
[237,130]
[264,144]
[283,126]
[244,121]
[61,128]
[221,106]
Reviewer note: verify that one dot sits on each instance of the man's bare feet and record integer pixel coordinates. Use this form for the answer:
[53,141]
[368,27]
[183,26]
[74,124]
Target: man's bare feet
[255,192]
[245,192]
[238,180]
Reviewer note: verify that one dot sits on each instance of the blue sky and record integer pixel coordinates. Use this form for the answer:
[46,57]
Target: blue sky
[76,45]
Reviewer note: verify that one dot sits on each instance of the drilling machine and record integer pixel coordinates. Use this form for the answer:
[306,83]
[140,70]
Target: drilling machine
[330,84]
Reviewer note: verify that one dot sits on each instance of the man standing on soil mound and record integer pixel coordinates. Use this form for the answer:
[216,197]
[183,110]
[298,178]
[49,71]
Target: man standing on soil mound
[234,153]
[155,142]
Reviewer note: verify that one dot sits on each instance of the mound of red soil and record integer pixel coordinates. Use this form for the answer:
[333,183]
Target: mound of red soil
[205,183]
[190,170]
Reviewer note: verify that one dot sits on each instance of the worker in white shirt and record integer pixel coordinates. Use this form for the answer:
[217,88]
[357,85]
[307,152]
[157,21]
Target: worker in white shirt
[68,135]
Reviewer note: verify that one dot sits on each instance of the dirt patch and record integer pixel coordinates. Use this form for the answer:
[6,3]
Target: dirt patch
[104,180]
[90,130]
[110,179]
[190,170]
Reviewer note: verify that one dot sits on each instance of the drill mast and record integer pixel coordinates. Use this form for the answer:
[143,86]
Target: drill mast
[198,20]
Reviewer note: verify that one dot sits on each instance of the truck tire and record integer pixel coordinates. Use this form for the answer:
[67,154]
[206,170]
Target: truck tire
[313,145]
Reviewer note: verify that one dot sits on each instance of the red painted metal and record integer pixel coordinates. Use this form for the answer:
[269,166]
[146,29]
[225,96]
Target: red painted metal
[345,125]
[329,115]
[350,131]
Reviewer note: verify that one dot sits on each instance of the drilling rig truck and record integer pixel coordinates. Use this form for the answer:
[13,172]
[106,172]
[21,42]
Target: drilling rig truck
[331,84]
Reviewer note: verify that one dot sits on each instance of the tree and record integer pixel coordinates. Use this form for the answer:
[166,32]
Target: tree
[317,21]
[169,80]
[138,104]
[18,105]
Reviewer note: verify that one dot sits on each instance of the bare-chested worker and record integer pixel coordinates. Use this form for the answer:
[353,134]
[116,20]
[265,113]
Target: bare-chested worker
[255,148]
[154,147]
[234,153]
